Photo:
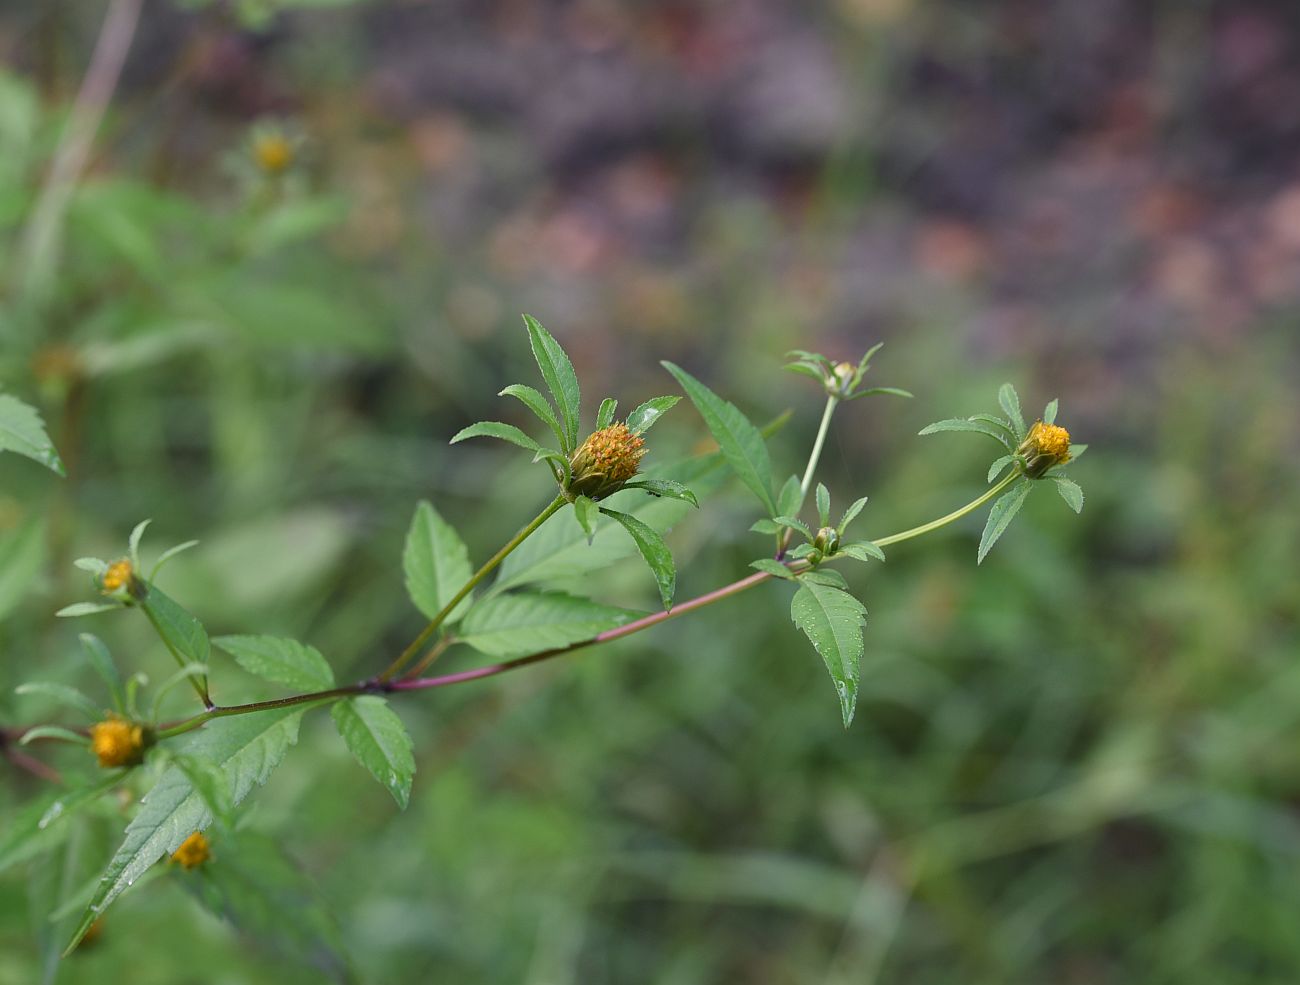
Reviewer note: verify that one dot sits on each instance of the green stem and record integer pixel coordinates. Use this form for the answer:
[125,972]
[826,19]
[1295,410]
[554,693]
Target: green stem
[813,458]
[943,521]
[417,644]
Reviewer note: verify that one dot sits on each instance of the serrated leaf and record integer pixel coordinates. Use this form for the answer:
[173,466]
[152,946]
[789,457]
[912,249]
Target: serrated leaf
[965,424]
[86,609]
[180,631]
[851,514]
[495,429]
[605,415]
[23,431]
[538,404]
[209,781]
[280,660]
[665,487]
[378,739]
[862,550]
[773,567]
[999,466]
[825,576]
[560,378]
[654,550]
[832,620]
[436,563]
[789,501]
[1070,492]
[245,747]
[823,505]
[587,513]
[1049,412]
[1010,403]
[1003,512]
[644,416]
[796,524]
[741,443]
[519,624]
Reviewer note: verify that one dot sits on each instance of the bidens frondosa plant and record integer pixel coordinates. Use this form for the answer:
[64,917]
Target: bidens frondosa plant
[198,768]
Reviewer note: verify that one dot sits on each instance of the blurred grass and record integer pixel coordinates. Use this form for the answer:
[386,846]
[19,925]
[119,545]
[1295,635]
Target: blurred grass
[1075,763]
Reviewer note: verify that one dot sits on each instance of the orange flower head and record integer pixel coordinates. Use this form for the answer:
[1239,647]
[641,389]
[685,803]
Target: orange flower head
[273,153]
[1044,446]
[193,851]
[117,742]
[605,461]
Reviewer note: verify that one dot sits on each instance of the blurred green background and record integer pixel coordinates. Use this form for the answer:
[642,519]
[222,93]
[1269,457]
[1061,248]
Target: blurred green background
[1077,763]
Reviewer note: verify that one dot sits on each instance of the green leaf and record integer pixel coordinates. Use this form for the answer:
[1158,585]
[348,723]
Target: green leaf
[102,661]
[807,369]
[196,671]
[246,748]
[588,513]
[851,514]
[789,501]
[823,505]
[1000,516]
[538,404]
[133,543]
[605,416]
[23,431]
[495,429]
[654,550]
[879,391]
[183,635]
[773,567]
[379,741]
[1010,403]
[665,487]
[1070,492]
[999,466]
[64,695]
[644,417]
[965,424]
[53,732]
[39,825]
[436,562]
[86,609]
[832,619]
[168,554]
[766,527]
[741,443]
[1049,412]
[828,577]
[519,624]
[281,660]
[560,378]
[862,550]
[209,781]
[796,524]
[998,422]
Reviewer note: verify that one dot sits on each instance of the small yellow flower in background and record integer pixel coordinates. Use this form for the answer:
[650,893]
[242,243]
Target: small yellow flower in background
[272,152]
[117,577]
[93,933]
[1044,446]
[193,851]
[117,742]
[605,461]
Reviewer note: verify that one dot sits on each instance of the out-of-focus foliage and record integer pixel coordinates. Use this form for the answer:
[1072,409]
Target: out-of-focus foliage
[1076,763]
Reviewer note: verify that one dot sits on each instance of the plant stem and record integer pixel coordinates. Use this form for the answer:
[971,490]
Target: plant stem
[814,457]
[426,634]
[925,528]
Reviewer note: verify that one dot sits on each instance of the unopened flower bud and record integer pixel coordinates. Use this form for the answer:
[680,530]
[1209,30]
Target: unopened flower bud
[1044,446]
[604,462]
[841,382]
[272,153]
[118,742]
[827,540]
[193,851]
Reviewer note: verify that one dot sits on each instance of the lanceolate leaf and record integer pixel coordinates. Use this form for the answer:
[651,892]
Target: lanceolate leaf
[832,619]
[1004,511]
[182,633]
[23,431]
[436,562]
[516,625]
[655,552]
[643,418]
[246,748]
[1011,404]
[741,443]
[965,424]
[605,416]
[1070,492]
[665,487]
[789,501]
[281,660]
[538,404]
[560,378]
[862,550]
[379,740]
[587,513]
[851,514]
[495,429]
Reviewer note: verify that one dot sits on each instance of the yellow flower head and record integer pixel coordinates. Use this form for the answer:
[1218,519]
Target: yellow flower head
[605,461]
[272,153]
[117,742]
[193,851]
[117,577]
[1044,446]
